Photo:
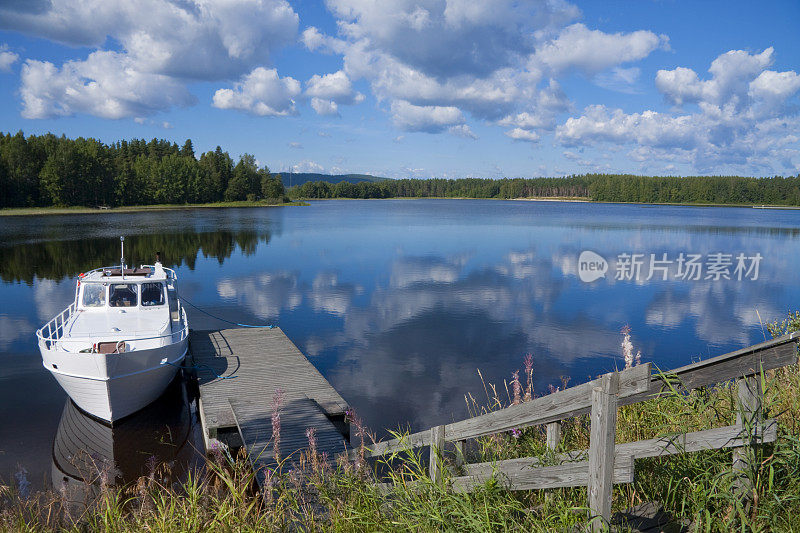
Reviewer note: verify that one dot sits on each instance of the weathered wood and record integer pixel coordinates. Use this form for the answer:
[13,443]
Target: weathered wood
[602,435]
[749,410]
[514,477]
[550,408]
[459,451]
[436,454]
[206,434]
[708,439]
[553,435]
[748,416]
[526,473]
[748,361]
[297,416]
[263,361]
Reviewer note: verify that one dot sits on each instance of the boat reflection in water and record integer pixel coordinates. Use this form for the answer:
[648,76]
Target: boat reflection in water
[88,453]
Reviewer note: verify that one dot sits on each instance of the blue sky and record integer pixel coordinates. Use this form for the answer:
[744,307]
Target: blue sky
[418,88]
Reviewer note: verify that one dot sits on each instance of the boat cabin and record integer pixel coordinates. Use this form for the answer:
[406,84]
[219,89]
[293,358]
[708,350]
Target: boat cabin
[94,294]
[137,288]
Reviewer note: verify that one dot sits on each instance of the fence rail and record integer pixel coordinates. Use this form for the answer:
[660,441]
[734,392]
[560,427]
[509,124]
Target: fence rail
[605,462]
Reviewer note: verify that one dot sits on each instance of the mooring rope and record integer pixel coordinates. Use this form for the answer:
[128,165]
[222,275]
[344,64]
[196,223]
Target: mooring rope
[183,299]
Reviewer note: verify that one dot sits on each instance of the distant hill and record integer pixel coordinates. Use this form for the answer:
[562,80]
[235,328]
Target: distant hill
[291,179]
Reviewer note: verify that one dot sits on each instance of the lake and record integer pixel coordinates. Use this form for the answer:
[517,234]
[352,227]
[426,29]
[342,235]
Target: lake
[398,303]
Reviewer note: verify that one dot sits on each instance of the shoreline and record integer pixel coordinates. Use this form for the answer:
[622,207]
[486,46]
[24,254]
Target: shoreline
[81,210]
[572,200]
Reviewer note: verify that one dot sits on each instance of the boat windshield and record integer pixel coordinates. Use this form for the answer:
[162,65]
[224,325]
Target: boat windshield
[123,295]
[152,294]
[94,295]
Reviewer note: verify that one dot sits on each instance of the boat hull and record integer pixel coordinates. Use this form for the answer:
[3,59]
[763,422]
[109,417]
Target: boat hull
[113,386]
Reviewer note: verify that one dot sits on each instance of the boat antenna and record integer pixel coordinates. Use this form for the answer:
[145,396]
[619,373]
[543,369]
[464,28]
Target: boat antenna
[122,257]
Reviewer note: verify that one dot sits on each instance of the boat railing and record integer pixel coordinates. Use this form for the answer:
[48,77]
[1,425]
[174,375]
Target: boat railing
[55,328]
[171,275]
[51,334]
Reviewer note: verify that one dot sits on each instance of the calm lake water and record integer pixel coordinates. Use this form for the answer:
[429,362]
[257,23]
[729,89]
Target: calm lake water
[398,303]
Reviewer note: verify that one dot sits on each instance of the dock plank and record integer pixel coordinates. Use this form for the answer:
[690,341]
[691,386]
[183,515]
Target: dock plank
[297,416]
[263,361]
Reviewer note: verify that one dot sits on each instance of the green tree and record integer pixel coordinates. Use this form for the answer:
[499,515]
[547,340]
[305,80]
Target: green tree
[245,181]
[217,168]
[23,162]
[271,186]
[175,173]
[188,149]
[75,174]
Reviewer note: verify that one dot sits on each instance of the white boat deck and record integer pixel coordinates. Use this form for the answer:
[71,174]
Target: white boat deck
[128,323]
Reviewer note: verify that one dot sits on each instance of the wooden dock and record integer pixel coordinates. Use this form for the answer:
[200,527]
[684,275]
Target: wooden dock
[238,411]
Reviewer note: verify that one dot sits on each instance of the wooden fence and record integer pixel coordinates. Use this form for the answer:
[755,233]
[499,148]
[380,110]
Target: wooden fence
[605,462]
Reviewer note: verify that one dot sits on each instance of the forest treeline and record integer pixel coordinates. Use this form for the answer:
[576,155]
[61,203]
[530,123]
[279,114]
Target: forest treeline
[47,170]
[596,187]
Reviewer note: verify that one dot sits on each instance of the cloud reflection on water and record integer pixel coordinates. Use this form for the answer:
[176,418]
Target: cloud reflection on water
[399,303]
[415,340]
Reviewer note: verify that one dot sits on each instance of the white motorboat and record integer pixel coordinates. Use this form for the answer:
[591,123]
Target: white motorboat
[119,344]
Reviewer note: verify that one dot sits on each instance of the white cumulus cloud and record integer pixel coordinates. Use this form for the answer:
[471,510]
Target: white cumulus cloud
[329,91]
[431,119]
[742,121]
[105,85]
[593,50]
[496,61]
[731,74]
[519,134]
[187,39]
[325,107]
[158,43]
[774,88]
[7,58]
[261,92]
[462,130]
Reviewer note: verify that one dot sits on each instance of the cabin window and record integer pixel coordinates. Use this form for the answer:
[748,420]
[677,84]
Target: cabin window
[152,294]
[123,295]
[94,295]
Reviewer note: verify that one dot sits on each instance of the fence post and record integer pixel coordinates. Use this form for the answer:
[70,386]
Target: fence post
[749,417]
[602,436]
[437,450]
[553,435]
[459,445]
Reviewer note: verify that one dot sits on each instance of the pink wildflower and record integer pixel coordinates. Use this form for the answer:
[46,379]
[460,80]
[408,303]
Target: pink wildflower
[277,405]
[529,377]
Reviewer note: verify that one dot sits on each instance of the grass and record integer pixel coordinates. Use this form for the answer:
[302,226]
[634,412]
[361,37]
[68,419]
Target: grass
[310,494]
[78,210]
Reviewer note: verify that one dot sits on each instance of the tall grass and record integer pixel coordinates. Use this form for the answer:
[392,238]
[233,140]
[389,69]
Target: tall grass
[312,492]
